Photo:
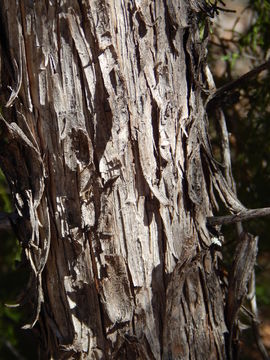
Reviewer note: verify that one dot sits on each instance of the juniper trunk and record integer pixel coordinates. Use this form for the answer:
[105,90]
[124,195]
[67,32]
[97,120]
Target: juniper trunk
[104,145]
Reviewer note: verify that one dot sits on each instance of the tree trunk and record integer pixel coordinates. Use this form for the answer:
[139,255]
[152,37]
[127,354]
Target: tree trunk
[104,145]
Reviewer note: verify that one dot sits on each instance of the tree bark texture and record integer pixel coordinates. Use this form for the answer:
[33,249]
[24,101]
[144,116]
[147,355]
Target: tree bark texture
[104,145]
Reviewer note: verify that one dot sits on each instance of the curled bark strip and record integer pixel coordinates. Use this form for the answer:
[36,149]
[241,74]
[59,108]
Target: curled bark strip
[18,73]
[34,293]
[243,265]
[31,221]
[226,194]
[38,297]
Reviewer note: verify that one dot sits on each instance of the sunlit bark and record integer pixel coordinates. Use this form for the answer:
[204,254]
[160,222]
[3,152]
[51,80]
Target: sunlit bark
[104,145]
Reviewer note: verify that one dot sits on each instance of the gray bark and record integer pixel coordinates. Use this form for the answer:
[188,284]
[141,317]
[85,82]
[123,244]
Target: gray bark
[104,145]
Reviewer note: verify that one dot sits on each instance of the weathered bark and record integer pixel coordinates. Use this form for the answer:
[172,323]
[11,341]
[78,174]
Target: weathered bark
[104,145]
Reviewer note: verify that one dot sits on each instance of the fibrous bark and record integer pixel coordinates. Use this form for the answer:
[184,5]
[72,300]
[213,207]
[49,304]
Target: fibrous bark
[105,148]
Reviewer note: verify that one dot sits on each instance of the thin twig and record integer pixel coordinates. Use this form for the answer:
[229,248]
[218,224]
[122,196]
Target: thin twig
[217,95]
[12,349]
[241,216]
[225,10]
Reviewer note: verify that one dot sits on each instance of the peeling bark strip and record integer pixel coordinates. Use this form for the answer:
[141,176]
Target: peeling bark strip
[104,145]
[243,265]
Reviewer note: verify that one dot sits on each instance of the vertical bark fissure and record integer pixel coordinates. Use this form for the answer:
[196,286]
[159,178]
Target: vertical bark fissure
[186,40]
[62,300]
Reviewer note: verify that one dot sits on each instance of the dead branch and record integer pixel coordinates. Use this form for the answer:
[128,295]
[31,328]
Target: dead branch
[241,216]
[217,96]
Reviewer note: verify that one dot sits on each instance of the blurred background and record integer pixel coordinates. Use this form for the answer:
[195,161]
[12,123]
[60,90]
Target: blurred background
[239,42]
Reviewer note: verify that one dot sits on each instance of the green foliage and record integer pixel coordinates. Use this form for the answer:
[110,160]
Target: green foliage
[263,293]
[253,44]
[257,37]
[4,199]
[8,254]
[231,58]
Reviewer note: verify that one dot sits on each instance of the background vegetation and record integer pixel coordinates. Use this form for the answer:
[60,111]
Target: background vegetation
[15,343]
[240,42]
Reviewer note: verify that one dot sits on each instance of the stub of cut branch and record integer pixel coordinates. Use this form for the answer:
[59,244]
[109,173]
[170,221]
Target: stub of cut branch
[241,216]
